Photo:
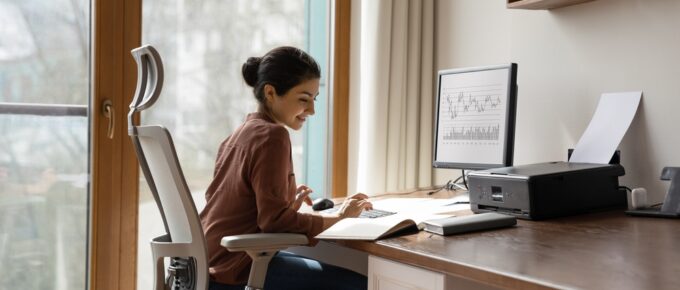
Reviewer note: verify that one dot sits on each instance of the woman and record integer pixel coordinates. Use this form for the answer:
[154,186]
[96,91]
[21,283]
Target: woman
[254,189]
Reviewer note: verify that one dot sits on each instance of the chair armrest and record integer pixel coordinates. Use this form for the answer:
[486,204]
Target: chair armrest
[263,241]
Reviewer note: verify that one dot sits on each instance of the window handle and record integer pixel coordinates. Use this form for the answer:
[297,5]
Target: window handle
[110,113]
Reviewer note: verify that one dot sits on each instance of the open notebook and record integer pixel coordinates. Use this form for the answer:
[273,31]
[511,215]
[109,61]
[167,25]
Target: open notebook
[373,229]
[411,213]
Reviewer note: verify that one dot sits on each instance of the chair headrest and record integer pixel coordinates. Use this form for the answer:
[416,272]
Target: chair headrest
[149,80]
[149,77]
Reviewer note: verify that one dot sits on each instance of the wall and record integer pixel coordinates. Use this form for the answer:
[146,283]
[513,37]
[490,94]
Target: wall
[567,57]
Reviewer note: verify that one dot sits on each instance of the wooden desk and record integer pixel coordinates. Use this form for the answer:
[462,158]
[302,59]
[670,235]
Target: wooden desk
[595,251]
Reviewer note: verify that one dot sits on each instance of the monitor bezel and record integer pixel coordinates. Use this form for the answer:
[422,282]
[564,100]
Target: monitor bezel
[511,107]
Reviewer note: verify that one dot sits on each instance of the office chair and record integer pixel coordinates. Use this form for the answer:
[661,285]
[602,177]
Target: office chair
[184,241]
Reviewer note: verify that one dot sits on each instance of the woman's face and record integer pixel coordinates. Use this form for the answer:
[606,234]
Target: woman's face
[293,108]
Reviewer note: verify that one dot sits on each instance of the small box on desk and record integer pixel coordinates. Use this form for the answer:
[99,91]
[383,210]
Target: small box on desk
[546,190]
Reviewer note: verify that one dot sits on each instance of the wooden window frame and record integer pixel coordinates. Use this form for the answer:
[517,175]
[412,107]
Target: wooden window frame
[341,47]
[116,29]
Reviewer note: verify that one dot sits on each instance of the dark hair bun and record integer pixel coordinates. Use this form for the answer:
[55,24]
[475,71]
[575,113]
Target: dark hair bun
[249,70]
[282,67]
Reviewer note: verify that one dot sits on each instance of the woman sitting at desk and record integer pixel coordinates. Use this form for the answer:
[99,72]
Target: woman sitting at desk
[254,189]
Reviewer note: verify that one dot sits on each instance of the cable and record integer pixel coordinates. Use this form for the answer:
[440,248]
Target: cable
[626,188]
[452,184]
[435,191]
[406,192]
[456,180]
[464,179]
[447,186]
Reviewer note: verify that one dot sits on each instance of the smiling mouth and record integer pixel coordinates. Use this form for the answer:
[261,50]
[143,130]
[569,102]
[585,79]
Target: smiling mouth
[301,119]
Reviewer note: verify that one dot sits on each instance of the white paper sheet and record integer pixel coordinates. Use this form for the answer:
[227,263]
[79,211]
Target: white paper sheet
[418,206]
[610,122]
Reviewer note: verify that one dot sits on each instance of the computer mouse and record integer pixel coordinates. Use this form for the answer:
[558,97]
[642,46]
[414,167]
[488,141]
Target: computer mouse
[322,203]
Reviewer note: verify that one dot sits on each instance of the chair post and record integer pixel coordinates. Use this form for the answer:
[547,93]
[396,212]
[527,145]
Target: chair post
[258,269]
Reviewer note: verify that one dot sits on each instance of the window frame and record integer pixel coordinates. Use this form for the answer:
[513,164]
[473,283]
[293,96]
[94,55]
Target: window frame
[340,94]
[116,29]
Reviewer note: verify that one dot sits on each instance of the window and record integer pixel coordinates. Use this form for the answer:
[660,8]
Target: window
[203,45]
[44,150]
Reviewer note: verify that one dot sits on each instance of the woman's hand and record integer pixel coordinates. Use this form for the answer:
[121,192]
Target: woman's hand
[302,195]
[354,205]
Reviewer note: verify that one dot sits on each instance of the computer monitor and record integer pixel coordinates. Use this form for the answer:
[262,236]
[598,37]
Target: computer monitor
[475,117]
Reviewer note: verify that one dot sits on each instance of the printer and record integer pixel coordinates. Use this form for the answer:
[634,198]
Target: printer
[547,190]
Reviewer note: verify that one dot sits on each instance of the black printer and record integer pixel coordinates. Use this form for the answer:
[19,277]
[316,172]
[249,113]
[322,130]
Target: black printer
[547,190]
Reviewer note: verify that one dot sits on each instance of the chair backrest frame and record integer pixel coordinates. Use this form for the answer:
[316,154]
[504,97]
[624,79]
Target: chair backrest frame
[161,168]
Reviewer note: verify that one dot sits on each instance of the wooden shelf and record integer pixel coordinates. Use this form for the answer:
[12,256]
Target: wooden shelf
[542,4]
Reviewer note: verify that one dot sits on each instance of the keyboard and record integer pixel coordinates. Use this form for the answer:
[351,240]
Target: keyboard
[375,213]
[371,214]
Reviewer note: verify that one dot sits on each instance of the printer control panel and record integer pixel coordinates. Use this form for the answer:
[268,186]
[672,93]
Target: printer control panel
[500,195]
[497,193]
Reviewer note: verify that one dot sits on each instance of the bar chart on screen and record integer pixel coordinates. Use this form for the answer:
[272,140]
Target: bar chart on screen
[472,113]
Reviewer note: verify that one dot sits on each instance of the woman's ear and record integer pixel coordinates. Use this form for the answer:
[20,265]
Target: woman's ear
[269,92]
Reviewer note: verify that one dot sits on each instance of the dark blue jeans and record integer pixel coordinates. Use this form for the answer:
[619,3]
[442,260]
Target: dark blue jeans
[289,271]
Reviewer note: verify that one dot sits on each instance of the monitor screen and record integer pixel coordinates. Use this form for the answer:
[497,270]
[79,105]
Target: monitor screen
[475,117]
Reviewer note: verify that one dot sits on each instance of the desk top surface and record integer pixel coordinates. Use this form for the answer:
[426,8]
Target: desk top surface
[606,250]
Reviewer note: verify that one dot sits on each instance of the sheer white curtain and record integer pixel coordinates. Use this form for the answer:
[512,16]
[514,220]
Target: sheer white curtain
[391,101]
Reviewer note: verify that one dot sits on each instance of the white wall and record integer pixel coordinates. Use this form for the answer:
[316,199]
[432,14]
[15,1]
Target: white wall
[567,57]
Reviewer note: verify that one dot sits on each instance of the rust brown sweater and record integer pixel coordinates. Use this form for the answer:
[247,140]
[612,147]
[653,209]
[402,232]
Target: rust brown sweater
[252,192]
